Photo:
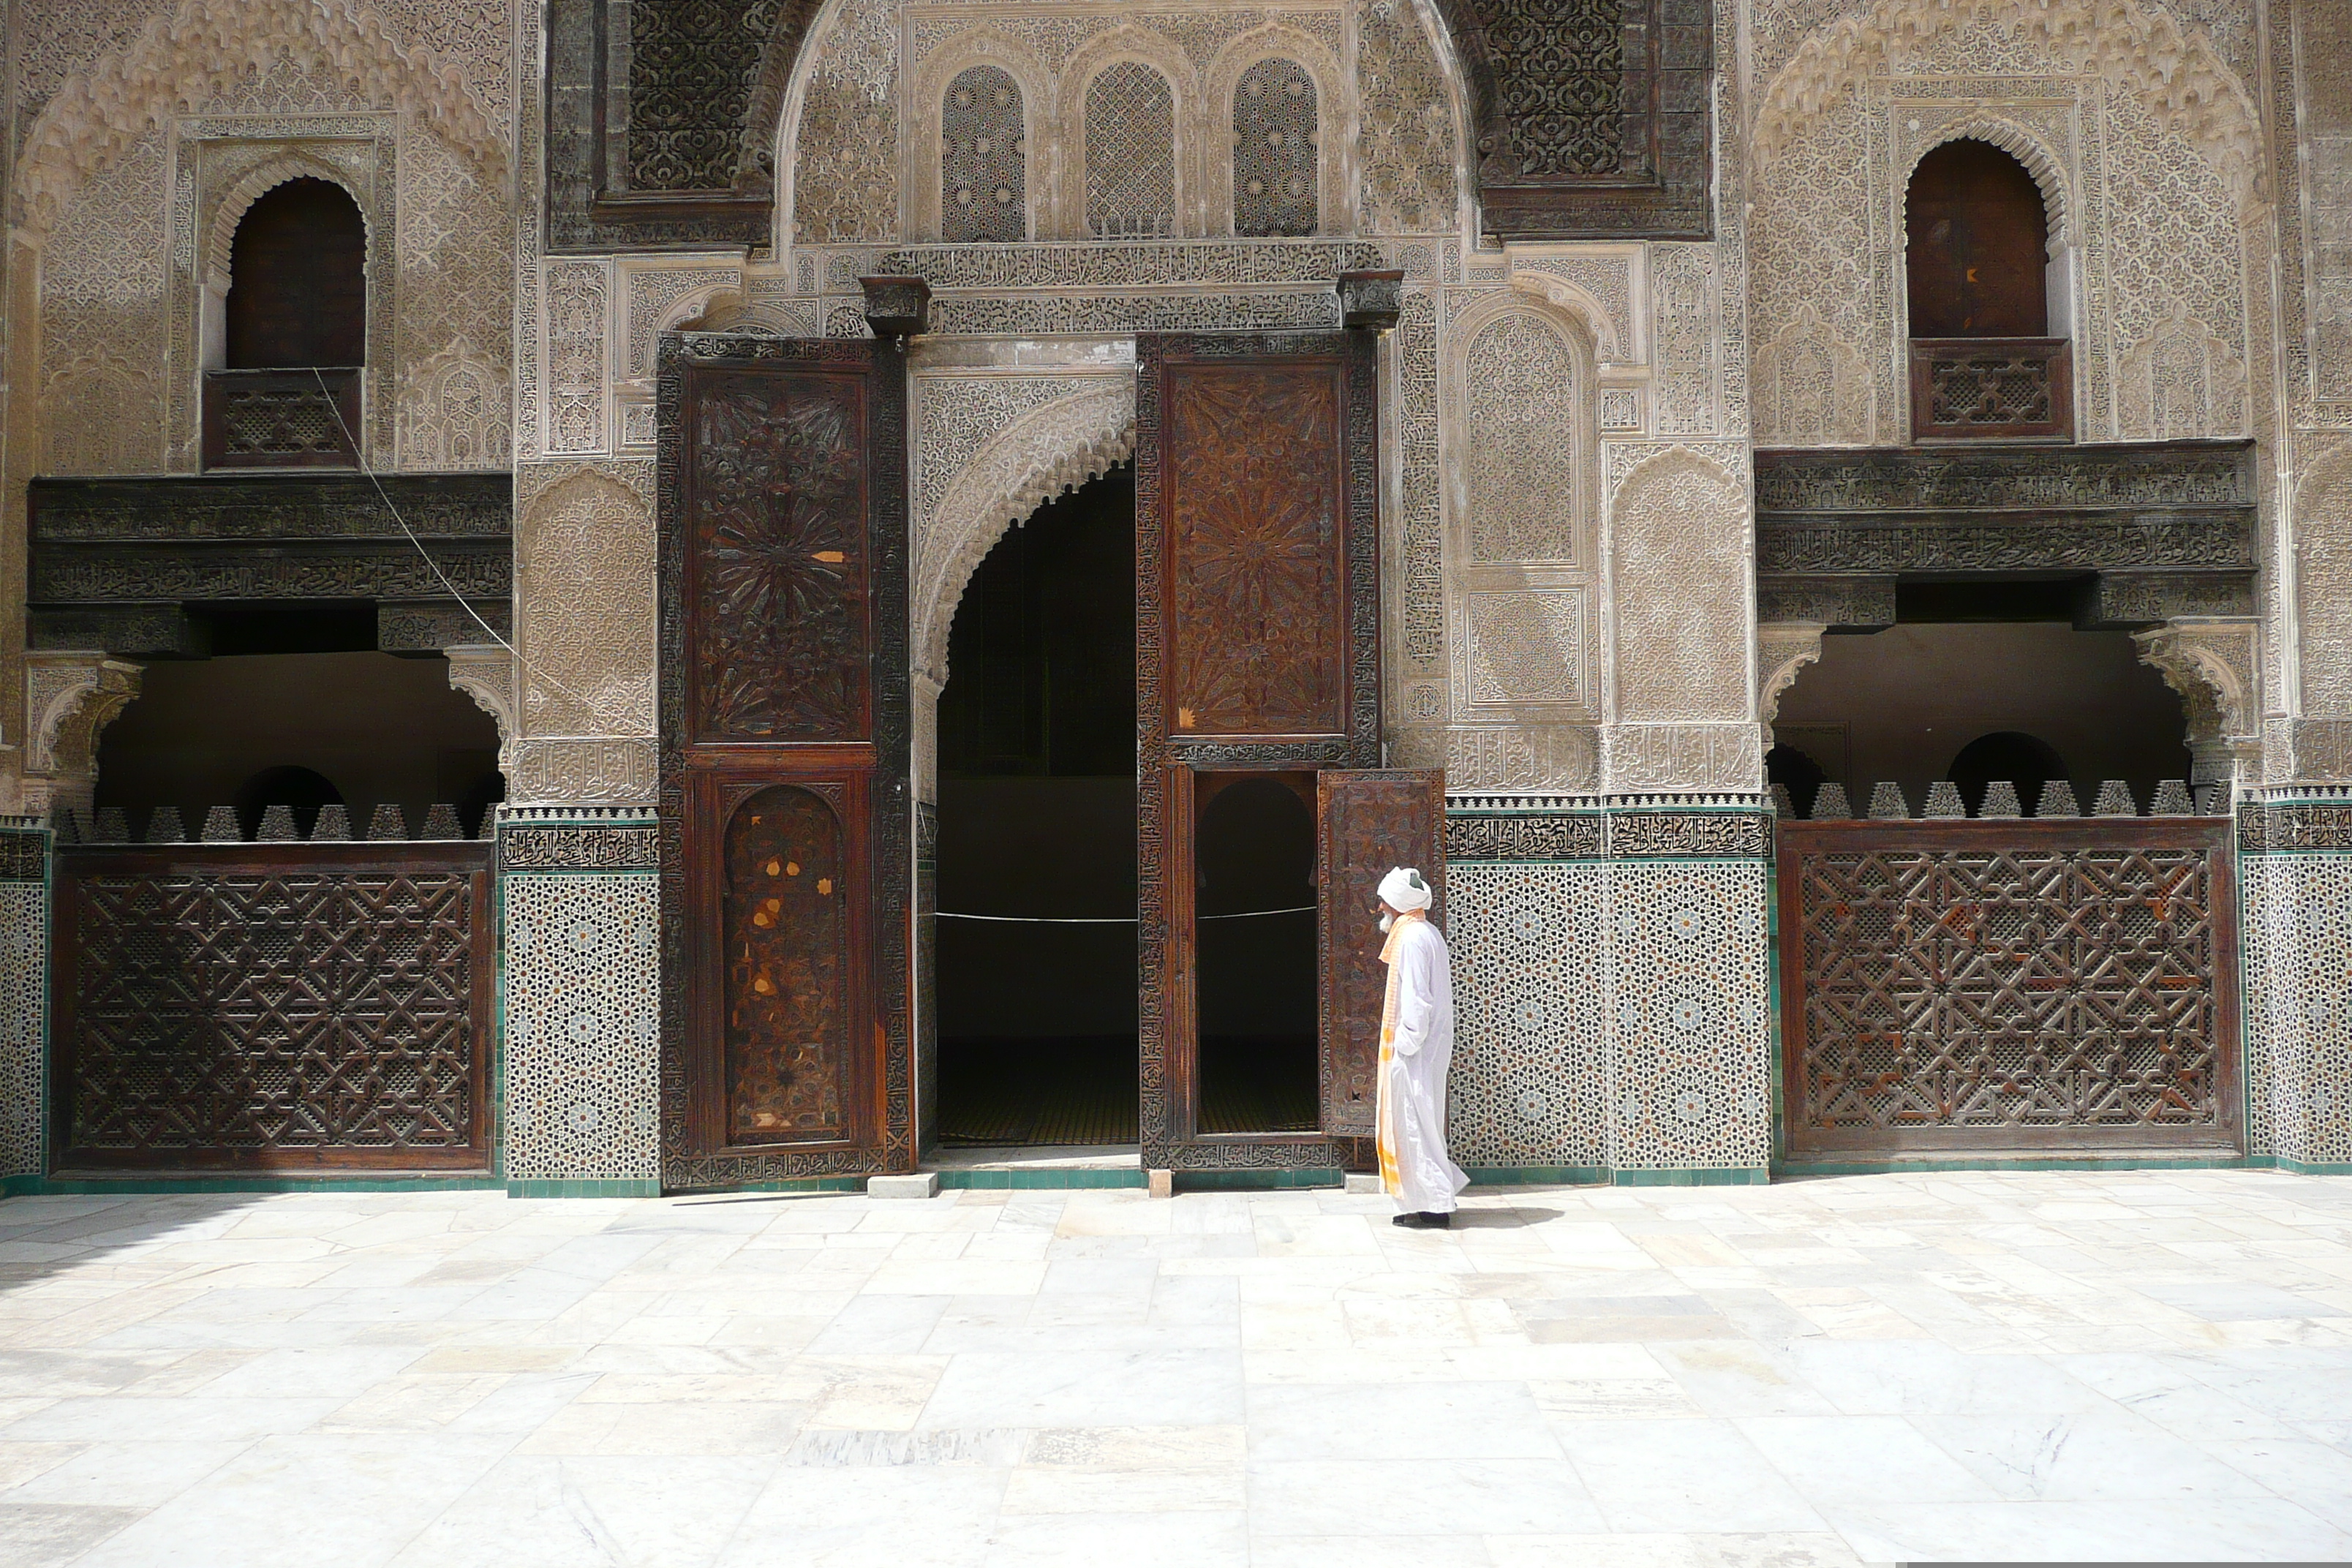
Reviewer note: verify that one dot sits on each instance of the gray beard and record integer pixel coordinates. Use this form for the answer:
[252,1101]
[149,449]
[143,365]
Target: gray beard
[1386,922]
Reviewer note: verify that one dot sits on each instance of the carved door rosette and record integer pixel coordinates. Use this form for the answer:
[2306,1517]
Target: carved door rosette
[784,694]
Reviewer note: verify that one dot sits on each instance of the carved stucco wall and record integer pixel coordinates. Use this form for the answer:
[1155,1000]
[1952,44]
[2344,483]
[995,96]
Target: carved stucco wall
[2148,151]
[861,123]
[144,130]
[1499,574]
[157,126]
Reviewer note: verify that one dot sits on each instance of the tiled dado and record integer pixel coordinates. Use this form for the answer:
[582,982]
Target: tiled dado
[23,992]
[1612,985]
[2295,879]
[580,996]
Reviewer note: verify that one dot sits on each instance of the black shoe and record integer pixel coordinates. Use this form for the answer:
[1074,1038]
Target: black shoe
[1424,1221]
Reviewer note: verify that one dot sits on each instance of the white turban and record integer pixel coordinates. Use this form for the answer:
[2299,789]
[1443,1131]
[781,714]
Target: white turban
[1404,890]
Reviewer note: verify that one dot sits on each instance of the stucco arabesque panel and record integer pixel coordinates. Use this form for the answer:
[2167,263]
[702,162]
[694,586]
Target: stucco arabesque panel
[988,451]
[585,600]
[243,56]
[2144,144]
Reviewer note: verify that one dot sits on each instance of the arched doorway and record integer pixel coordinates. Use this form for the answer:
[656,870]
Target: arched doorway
[1035,989]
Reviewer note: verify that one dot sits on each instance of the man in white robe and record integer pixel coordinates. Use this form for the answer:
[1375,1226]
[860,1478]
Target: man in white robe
[1416,1047]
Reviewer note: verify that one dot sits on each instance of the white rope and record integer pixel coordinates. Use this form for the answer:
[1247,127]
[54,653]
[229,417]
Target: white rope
[1107,919]
[465,604]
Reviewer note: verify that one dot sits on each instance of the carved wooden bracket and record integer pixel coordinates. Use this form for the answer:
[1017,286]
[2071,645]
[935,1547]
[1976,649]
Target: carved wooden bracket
[68,699]
[2215,663]
[1782,648]
[485,672]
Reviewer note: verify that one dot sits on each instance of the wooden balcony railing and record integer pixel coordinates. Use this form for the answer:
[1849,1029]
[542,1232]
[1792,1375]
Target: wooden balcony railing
[281,418]
[1991,389]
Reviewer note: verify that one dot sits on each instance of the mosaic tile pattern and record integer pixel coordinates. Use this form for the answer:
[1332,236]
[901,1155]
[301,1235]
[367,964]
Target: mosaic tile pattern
[1529,1085]
[581,968]
[1613,986]
[1690,998]
[2296,937]
[23,967]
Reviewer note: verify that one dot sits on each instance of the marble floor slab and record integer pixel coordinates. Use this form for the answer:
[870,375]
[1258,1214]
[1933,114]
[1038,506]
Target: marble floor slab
[2086,1366]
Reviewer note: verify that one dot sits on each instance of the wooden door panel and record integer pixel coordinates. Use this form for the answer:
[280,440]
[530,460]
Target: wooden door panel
[1256,550]
[788,855]
[1369,821]
[778,564]
[786,914]
[1258,642]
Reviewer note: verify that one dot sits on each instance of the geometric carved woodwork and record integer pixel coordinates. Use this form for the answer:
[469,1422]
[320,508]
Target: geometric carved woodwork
[784,702]
[1593,117]
[1986,389]
[1257,644]
[273,1006]
[1368,821]
[699,89]
[2045,984]
[281,418]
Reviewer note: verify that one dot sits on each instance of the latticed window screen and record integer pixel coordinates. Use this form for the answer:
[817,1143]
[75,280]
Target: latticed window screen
[983,160]
[1274,149]
[1130,154]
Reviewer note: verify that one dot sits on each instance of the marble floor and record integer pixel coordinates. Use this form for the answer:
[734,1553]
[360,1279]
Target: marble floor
[2150,1365]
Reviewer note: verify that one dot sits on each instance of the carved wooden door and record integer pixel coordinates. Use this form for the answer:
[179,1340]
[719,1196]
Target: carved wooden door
[787,863]
[1257,645]
[1367,822]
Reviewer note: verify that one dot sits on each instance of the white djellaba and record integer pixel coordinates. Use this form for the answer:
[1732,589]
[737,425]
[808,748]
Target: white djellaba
[1416,1049]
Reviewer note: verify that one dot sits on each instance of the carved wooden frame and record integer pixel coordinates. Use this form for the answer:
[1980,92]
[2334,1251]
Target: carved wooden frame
[870,779]
[1165,763]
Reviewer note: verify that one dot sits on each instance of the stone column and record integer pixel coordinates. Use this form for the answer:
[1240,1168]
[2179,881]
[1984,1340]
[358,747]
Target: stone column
[2214,662]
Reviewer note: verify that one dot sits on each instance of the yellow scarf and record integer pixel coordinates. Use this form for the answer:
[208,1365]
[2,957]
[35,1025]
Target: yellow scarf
[1385,1113]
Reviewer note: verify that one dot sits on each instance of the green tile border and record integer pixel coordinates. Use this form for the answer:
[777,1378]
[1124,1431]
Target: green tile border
[1038,1181]
[1737,1177]
[1938,1165]
[145,1186]
[1537,1175]
[1258,1181]
[855,1185]
[587,1187]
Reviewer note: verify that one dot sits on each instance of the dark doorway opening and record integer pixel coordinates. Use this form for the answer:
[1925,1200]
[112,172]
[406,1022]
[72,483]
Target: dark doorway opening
[1036,803]
[1255,948]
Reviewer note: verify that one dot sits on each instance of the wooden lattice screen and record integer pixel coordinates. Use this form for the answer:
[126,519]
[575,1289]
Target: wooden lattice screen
[2044,985]
[271,1007]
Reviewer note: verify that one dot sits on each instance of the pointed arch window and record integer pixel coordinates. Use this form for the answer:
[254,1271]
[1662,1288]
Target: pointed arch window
[1130,153]
[294,338]
[984,159]
[1977,265]
[1275,150]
